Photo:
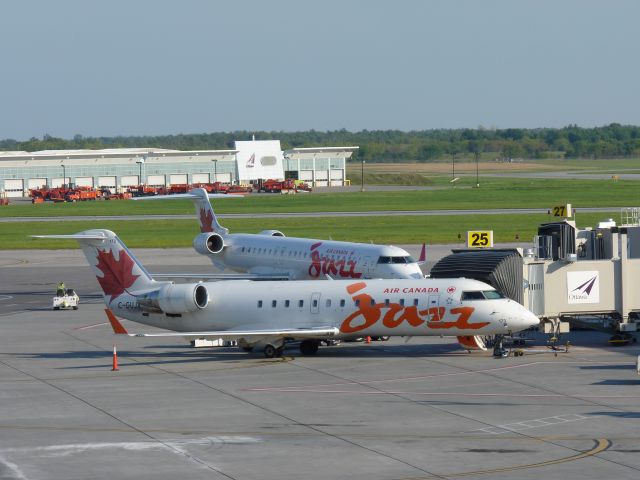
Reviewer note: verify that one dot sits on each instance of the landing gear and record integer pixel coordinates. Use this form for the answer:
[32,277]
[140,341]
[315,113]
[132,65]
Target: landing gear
[271,351]
[309,347]
[498,350]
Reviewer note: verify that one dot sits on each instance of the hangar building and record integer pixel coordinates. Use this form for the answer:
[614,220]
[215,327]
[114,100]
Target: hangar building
[119,168]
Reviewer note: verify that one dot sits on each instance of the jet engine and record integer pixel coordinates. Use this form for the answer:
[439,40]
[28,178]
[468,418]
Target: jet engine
[272,233]
[472,342]
[208,243]
[175,298]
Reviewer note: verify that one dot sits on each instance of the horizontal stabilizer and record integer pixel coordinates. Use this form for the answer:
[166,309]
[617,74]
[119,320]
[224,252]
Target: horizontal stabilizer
[75,236]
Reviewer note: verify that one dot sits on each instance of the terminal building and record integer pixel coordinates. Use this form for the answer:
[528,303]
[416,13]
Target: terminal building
[117,169]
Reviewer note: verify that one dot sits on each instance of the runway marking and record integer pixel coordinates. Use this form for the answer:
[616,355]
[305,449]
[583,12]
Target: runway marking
[86,327]
[529,424]
[13,469]
[5,297]
[601,445]
[11,305]
[174,445]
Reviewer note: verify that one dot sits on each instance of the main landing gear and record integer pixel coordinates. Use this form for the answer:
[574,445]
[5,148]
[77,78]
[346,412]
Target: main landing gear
[271,351]
[309,347]
[498,349]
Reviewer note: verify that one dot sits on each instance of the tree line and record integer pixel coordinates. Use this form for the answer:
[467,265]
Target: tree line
[609,141]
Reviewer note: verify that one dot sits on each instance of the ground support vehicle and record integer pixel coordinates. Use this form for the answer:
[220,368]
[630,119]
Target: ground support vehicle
[69,300]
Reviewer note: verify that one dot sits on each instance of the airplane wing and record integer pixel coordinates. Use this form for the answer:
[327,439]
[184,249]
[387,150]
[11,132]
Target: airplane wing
[219,276]
[318,332]
[191,196]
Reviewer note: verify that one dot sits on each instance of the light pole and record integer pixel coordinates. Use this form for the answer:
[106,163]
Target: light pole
[64,176]
[453,168]
[477,180]
[215,170]
[140,161]
[362,173]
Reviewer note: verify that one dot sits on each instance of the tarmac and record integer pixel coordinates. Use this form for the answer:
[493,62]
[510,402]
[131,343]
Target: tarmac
[409,408]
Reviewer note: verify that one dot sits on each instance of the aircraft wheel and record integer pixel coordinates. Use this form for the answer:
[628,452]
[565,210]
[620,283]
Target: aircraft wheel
[309,347]
[75,308]
[56,308]
[270,351]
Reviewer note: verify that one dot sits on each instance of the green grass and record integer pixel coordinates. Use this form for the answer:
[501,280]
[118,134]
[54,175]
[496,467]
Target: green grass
[493,193]
[386,230]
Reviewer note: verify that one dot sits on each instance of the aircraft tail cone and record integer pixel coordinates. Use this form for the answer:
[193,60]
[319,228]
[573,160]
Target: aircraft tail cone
[368,339]
[115,360]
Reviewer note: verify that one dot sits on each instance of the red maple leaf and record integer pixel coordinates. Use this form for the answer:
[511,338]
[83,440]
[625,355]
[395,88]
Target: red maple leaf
[118,274]
[206,221]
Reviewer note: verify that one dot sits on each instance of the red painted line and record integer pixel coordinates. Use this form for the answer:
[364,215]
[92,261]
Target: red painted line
[86,327]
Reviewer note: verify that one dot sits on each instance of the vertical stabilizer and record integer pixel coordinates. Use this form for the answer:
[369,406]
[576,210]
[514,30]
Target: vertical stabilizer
[117,270]
[205,213]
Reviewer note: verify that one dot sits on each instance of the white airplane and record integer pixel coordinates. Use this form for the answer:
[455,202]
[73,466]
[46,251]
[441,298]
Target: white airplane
[267,314]
[271,255]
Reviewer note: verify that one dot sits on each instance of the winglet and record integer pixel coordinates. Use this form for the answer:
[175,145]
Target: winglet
[423,255]
[118,329]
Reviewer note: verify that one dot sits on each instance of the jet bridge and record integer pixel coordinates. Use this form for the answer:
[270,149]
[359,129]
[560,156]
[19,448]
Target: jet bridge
[568,275]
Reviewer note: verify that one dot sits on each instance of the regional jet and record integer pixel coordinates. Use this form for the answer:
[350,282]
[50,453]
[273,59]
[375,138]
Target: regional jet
[265,315]
[271,255]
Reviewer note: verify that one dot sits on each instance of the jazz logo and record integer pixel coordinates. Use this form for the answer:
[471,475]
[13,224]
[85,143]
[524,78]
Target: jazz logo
[392,315]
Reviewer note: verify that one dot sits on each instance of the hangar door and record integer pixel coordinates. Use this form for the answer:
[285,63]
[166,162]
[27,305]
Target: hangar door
[37,182]
[224,177]
[14,188]
[200,178]
[178,179]
[107,182]
[336,178]
[129,181]
[322,178]
[306,175]
[156,180]
[84,181]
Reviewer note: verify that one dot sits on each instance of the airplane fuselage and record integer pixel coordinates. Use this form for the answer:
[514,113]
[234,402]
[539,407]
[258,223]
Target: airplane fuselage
[308,259]
[355,307]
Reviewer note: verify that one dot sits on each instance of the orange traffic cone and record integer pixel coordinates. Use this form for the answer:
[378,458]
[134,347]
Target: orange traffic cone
[115,360]
[368,339]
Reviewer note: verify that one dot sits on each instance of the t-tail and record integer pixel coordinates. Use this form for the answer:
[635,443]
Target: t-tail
[127,286]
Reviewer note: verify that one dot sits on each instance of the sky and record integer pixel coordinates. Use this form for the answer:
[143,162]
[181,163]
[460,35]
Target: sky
[156,67]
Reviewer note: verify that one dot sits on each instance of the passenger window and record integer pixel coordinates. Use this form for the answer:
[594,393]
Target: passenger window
[415,302]
[402,302]
[372,302]
[286,303]
[242,249]
[300,303]
[259,303]
[328,302]
[386,302]
[357,303]
[342,302]
[315,303]
[274,303]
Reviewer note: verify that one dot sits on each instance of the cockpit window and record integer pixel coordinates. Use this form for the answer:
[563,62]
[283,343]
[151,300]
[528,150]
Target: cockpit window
[472,296]
[493,294]
[396,259]
[484,295]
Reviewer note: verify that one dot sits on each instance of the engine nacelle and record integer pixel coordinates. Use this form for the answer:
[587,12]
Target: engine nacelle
[208,243]
[175,298]
[272,233]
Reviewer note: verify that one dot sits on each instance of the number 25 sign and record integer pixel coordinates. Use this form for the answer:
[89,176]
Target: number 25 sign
[480,239]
